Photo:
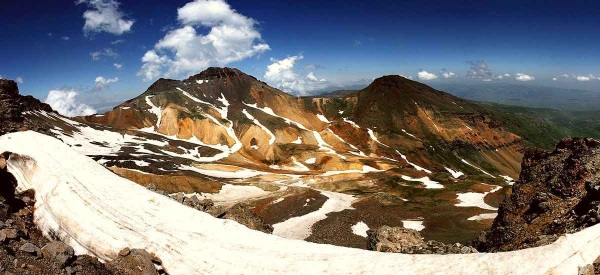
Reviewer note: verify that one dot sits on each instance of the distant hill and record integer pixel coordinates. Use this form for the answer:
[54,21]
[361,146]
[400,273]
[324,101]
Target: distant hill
[544,127]
[526,95]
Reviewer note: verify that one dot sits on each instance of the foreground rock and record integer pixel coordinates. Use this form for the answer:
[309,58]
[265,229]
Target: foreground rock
[557,193]
[134,262]
[12,106]
[409,241]
[20,243]
[240,212]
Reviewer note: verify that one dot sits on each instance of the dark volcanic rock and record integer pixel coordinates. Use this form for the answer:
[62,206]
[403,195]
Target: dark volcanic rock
[58,252]
[241,213]
[409,241]
[12,106]
[557,192]
[134,262]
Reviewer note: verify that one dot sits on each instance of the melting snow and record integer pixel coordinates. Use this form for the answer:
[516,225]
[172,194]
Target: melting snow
[155,110]
[250,117]
[360,229]
[323,118]
[417,167]
[483,171]
[411,224]
[429,184]
[300,228]
[509,180]
[409,134]
[351,123]
[310,161]
[456,174]
[373,137]
[486,216]
[472,199]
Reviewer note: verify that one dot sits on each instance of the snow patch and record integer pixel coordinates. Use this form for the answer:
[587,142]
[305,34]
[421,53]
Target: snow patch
[300,228]
[429,184]
[456,174]
[360,229]
[323,118]
[483,171]
[472,199]
[412,224]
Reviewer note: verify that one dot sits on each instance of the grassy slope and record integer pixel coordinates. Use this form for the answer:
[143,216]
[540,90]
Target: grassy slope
[543,127]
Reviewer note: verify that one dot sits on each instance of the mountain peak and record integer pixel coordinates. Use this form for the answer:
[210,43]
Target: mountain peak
[391,81]
[218,72]
[8,87]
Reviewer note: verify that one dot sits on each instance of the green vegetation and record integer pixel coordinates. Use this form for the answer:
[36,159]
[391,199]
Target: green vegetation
[544,127]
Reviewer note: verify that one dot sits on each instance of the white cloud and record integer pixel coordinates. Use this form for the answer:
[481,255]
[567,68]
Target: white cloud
[424,75]
[65,38]
[105,16]
[118,41]
[523,77]
[407,77]
[502,76]
[106,52]
[118,66]
[448,74]
[586,77]
[102,84]
[487,80]
[19,80]
[231,37]
[65,102]
[281,75]
[554,79]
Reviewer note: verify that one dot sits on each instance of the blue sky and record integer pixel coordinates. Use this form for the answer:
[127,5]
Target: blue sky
[298,46]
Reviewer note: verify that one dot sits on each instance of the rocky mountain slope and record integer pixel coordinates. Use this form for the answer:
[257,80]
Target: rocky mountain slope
[13,106]
[557,193]
[323,169]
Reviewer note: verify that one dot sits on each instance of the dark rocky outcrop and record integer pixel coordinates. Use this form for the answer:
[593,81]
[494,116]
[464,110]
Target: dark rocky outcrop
[557,193]
[242,214]
[134,262]
[409,241]
[12,106]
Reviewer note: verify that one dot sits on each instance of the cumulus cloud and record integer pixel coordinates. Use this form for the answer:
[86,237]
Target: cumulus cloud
[478,69]
[118,66]
[554,79]
[19,80]
[280,73]
[65,38]
[65,102]
[502,76]
[407,77]
[586,77]
[105,16]
[446,74]
[102,84]
[231,37]
[523,77]
[106,52]
[424,75]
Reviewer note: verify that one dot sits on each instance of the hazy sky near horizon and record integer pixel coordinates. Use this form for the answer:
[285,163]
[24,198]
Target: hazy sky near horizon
[103,51]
